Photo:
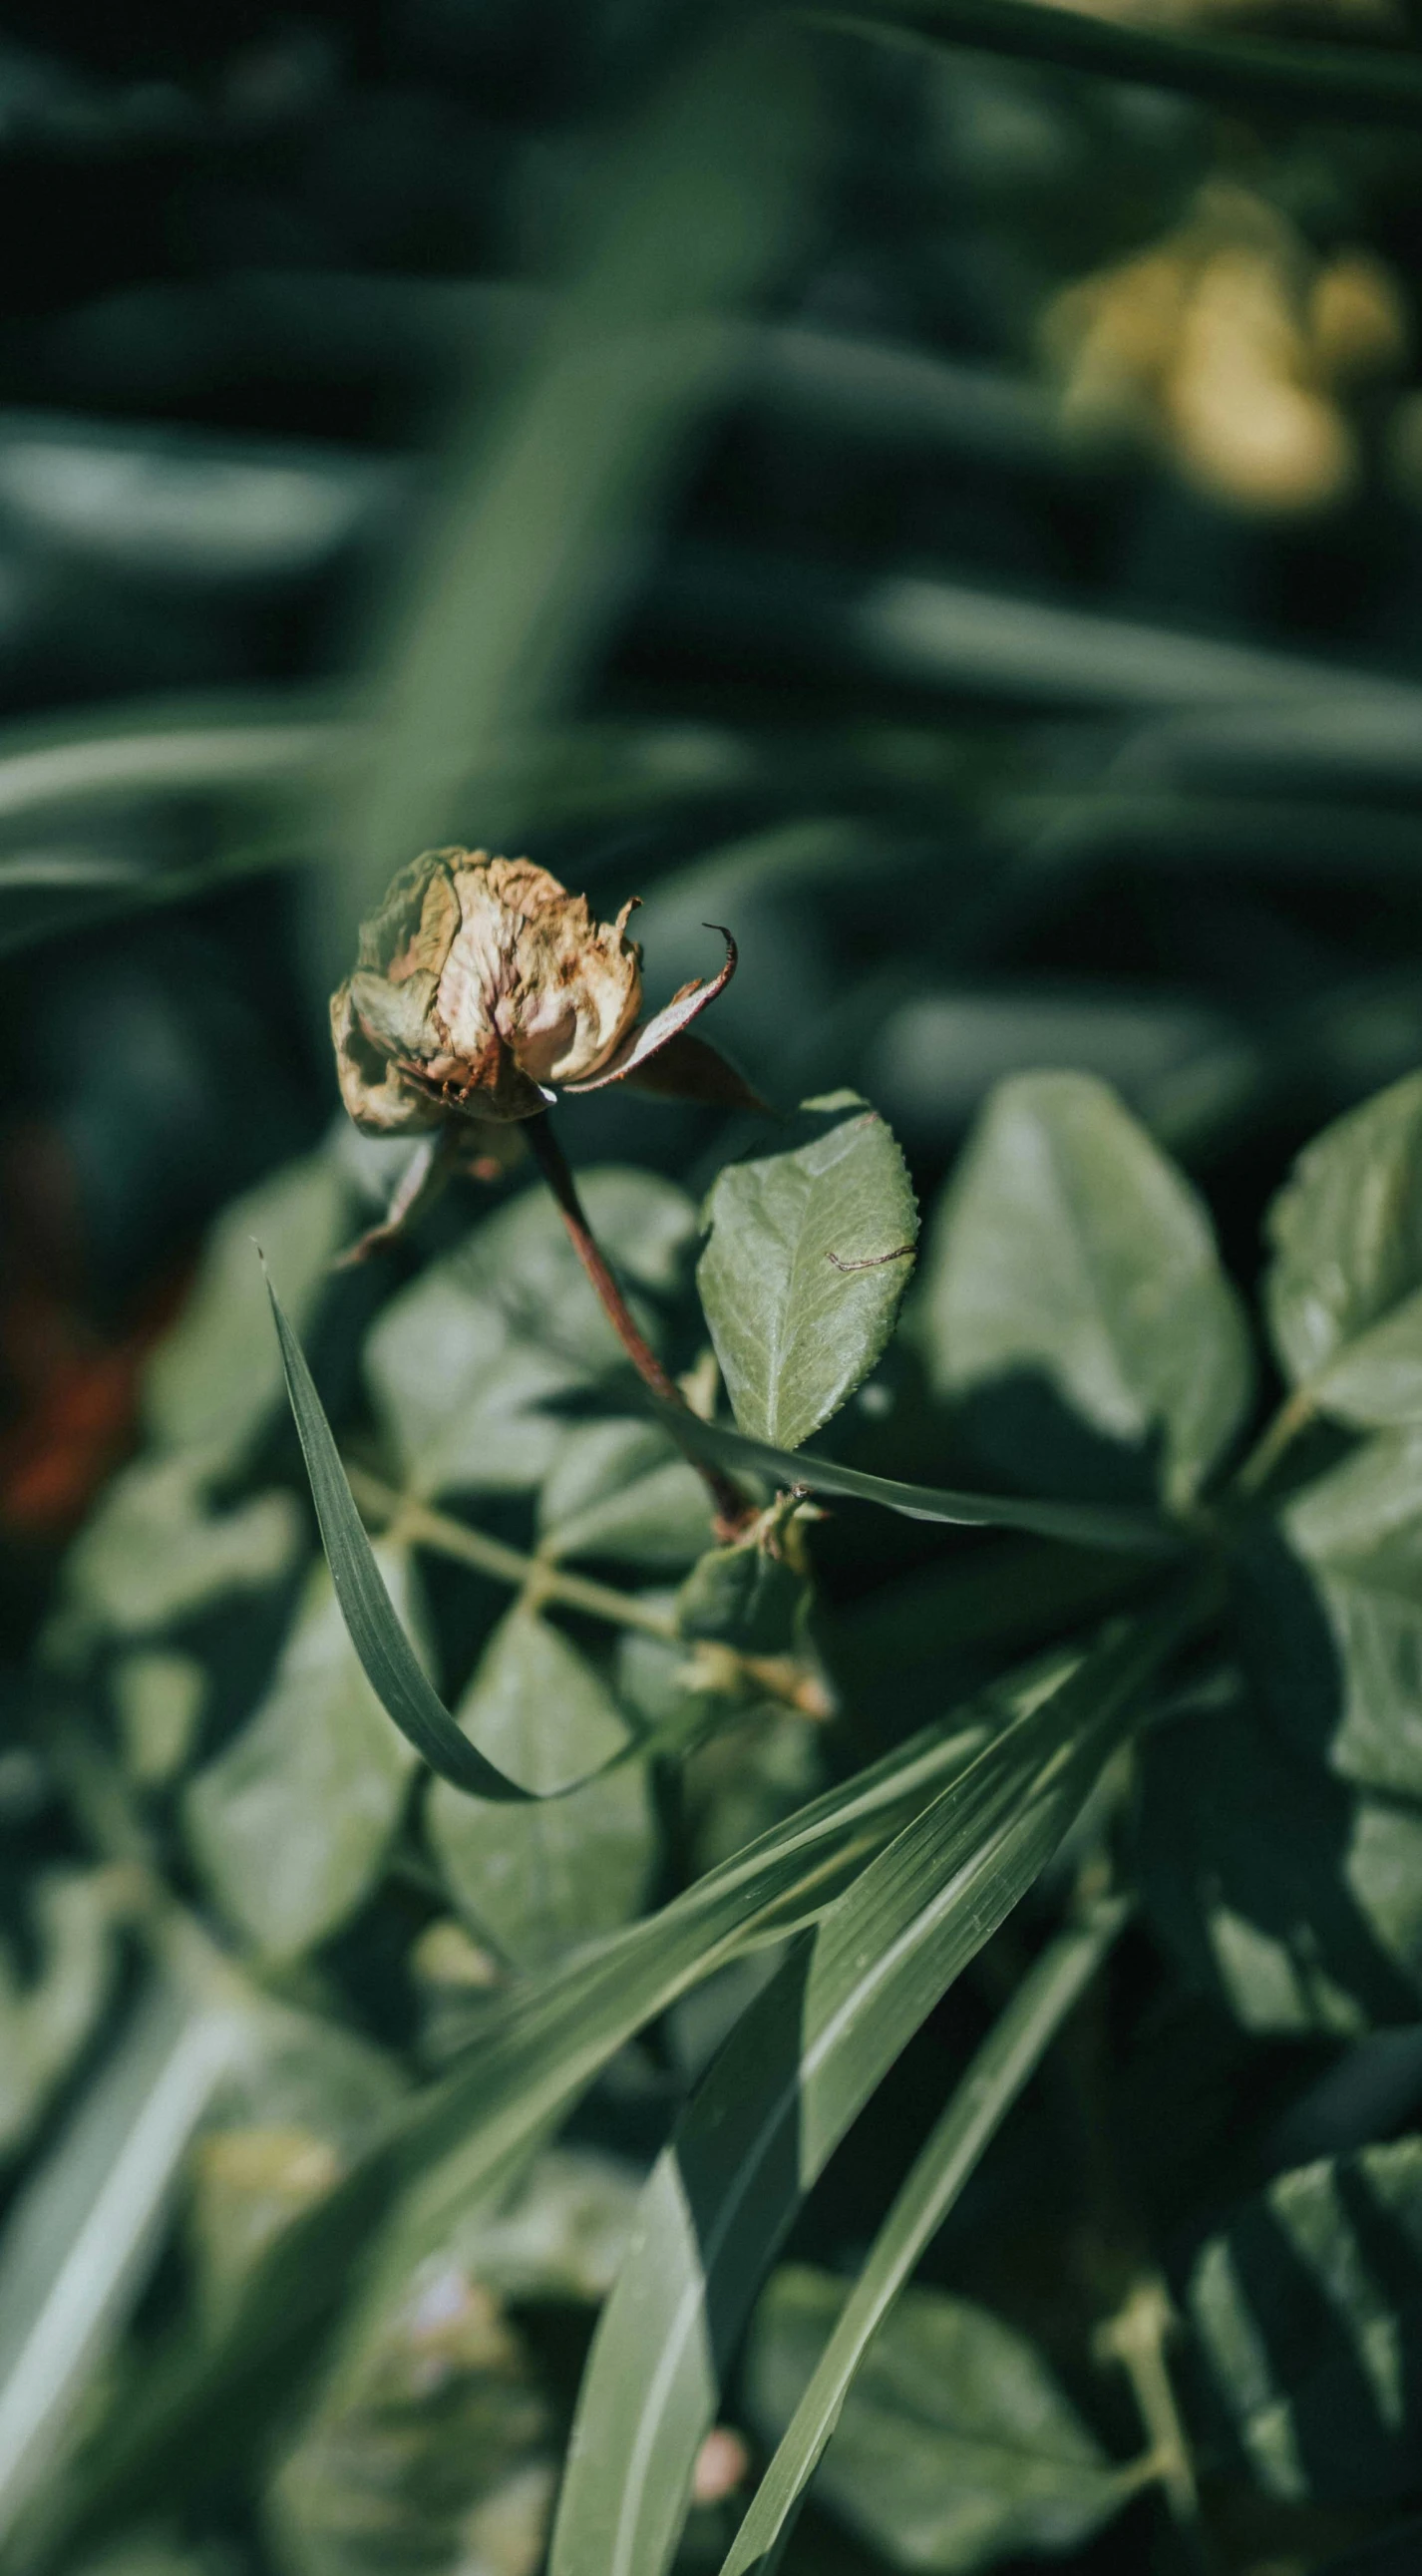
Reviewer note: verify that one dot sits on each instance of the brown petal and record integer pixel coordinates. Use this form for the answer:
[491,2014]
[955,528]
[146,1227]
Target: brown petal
[651,1036]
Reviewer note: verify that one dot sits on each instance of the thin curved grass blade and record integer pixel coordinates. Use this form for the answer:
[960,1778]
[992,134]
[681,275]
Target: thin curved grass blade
[1080,1524]
[993,2081]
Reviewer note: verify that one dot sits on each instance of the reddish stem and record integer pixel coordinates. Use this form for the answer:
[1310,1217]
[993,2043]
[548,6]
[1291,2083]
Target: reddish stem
[730,1505]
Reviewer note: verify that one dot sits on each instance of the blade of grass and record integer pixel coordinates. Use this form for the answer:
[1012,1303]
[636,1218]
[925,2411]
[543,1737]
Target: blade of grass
[200,2406]
[79,2240]
[795,2072]
[1328,84]
[692,212]
[1084,1524]
[1002,2066]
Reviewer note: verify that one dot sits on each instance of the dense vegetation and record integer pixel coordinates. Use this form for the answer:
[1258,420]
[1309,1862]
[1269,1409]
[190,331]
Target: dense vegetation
[785,1917]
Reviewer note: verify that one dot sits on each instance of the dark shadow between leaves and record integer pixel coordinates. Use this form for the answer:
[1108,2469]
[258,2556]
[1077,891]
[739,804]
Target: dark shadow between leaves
[1023,1429]
[1285,1640]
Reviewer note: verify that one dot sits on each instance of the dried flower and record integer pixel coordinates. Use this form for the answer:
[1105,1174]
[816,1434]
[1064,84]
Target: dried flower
[480,983]
[482,986]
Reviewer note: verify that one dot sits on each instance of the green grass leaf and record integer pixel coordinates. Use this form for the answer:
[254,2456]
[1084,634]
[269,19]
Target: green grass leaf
[1344,1294]
[809,1254]
[1074,1307]
[956,2447]
[80,2236]
[978,2106]
[449,2151]
[1085,1524]
[796,2070]
[1306,2313]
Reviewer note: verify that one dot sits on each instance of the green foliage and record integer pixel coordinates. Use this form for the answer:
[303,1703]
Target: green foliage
[1226,1727]
[291,1823]
[543,1878]
[1345,1291]
[809,1253]
[954,2447]
[1307,2309]
[1073,1288]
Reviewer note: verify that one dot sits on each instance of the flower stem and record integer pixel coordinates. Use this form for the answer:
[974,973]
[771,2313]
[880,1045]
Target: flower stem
[730,1504]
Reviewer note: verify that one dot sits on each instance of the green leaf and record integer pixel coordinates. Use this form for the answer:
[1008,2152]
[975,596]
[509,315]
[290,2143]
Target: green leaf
[1344,1295]
[458,1394]
[299,2101]
[1306,2311]
[1073,1302]
[561,2234]
[1331,1612]
[1314,1925]
[619,1490]
[955,2447]
[555,1874]
[1084,1524]
[79,2237]
[468,2135]
[158,1698]
[389,2471]
[46,2018]
[809,1254]
[462,1363]
[980,2433]
[385,1652]
[215,1379]
[797,2069]
[290,1825]
[154,1554]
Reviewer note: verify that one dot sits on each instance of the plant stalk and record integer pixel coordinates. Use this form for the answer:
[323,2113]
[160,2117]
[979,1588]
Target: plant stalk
[730,1504]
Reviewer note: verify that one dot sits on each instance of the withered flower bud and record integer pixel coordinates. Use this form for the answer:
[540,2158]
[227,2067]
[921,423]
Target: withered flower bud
[480,984]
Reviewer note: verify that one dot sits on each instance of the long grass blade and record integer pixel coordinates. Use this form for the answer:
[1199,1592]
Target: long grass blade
[1334,84]
[1081,1524]
[981,2102]
[79,2240]
[794,2073]
[452,2145]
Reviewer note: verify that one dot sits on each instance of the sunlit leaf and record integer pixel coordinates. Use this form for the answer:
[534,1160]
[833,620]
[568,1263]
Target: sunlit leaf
[619,1490]
[809,1253]
[1331,1615]
[290,1824]
[156,1551]
[48,2013]
[1074,1306]
[1345,1291]
[955,2446]
[1306,2309]
[1315,1924]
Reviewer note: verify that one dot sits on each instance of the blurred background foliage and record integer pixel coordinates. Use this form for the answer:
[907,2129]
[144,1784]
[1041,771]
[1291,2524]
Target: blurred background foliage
[954,515]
